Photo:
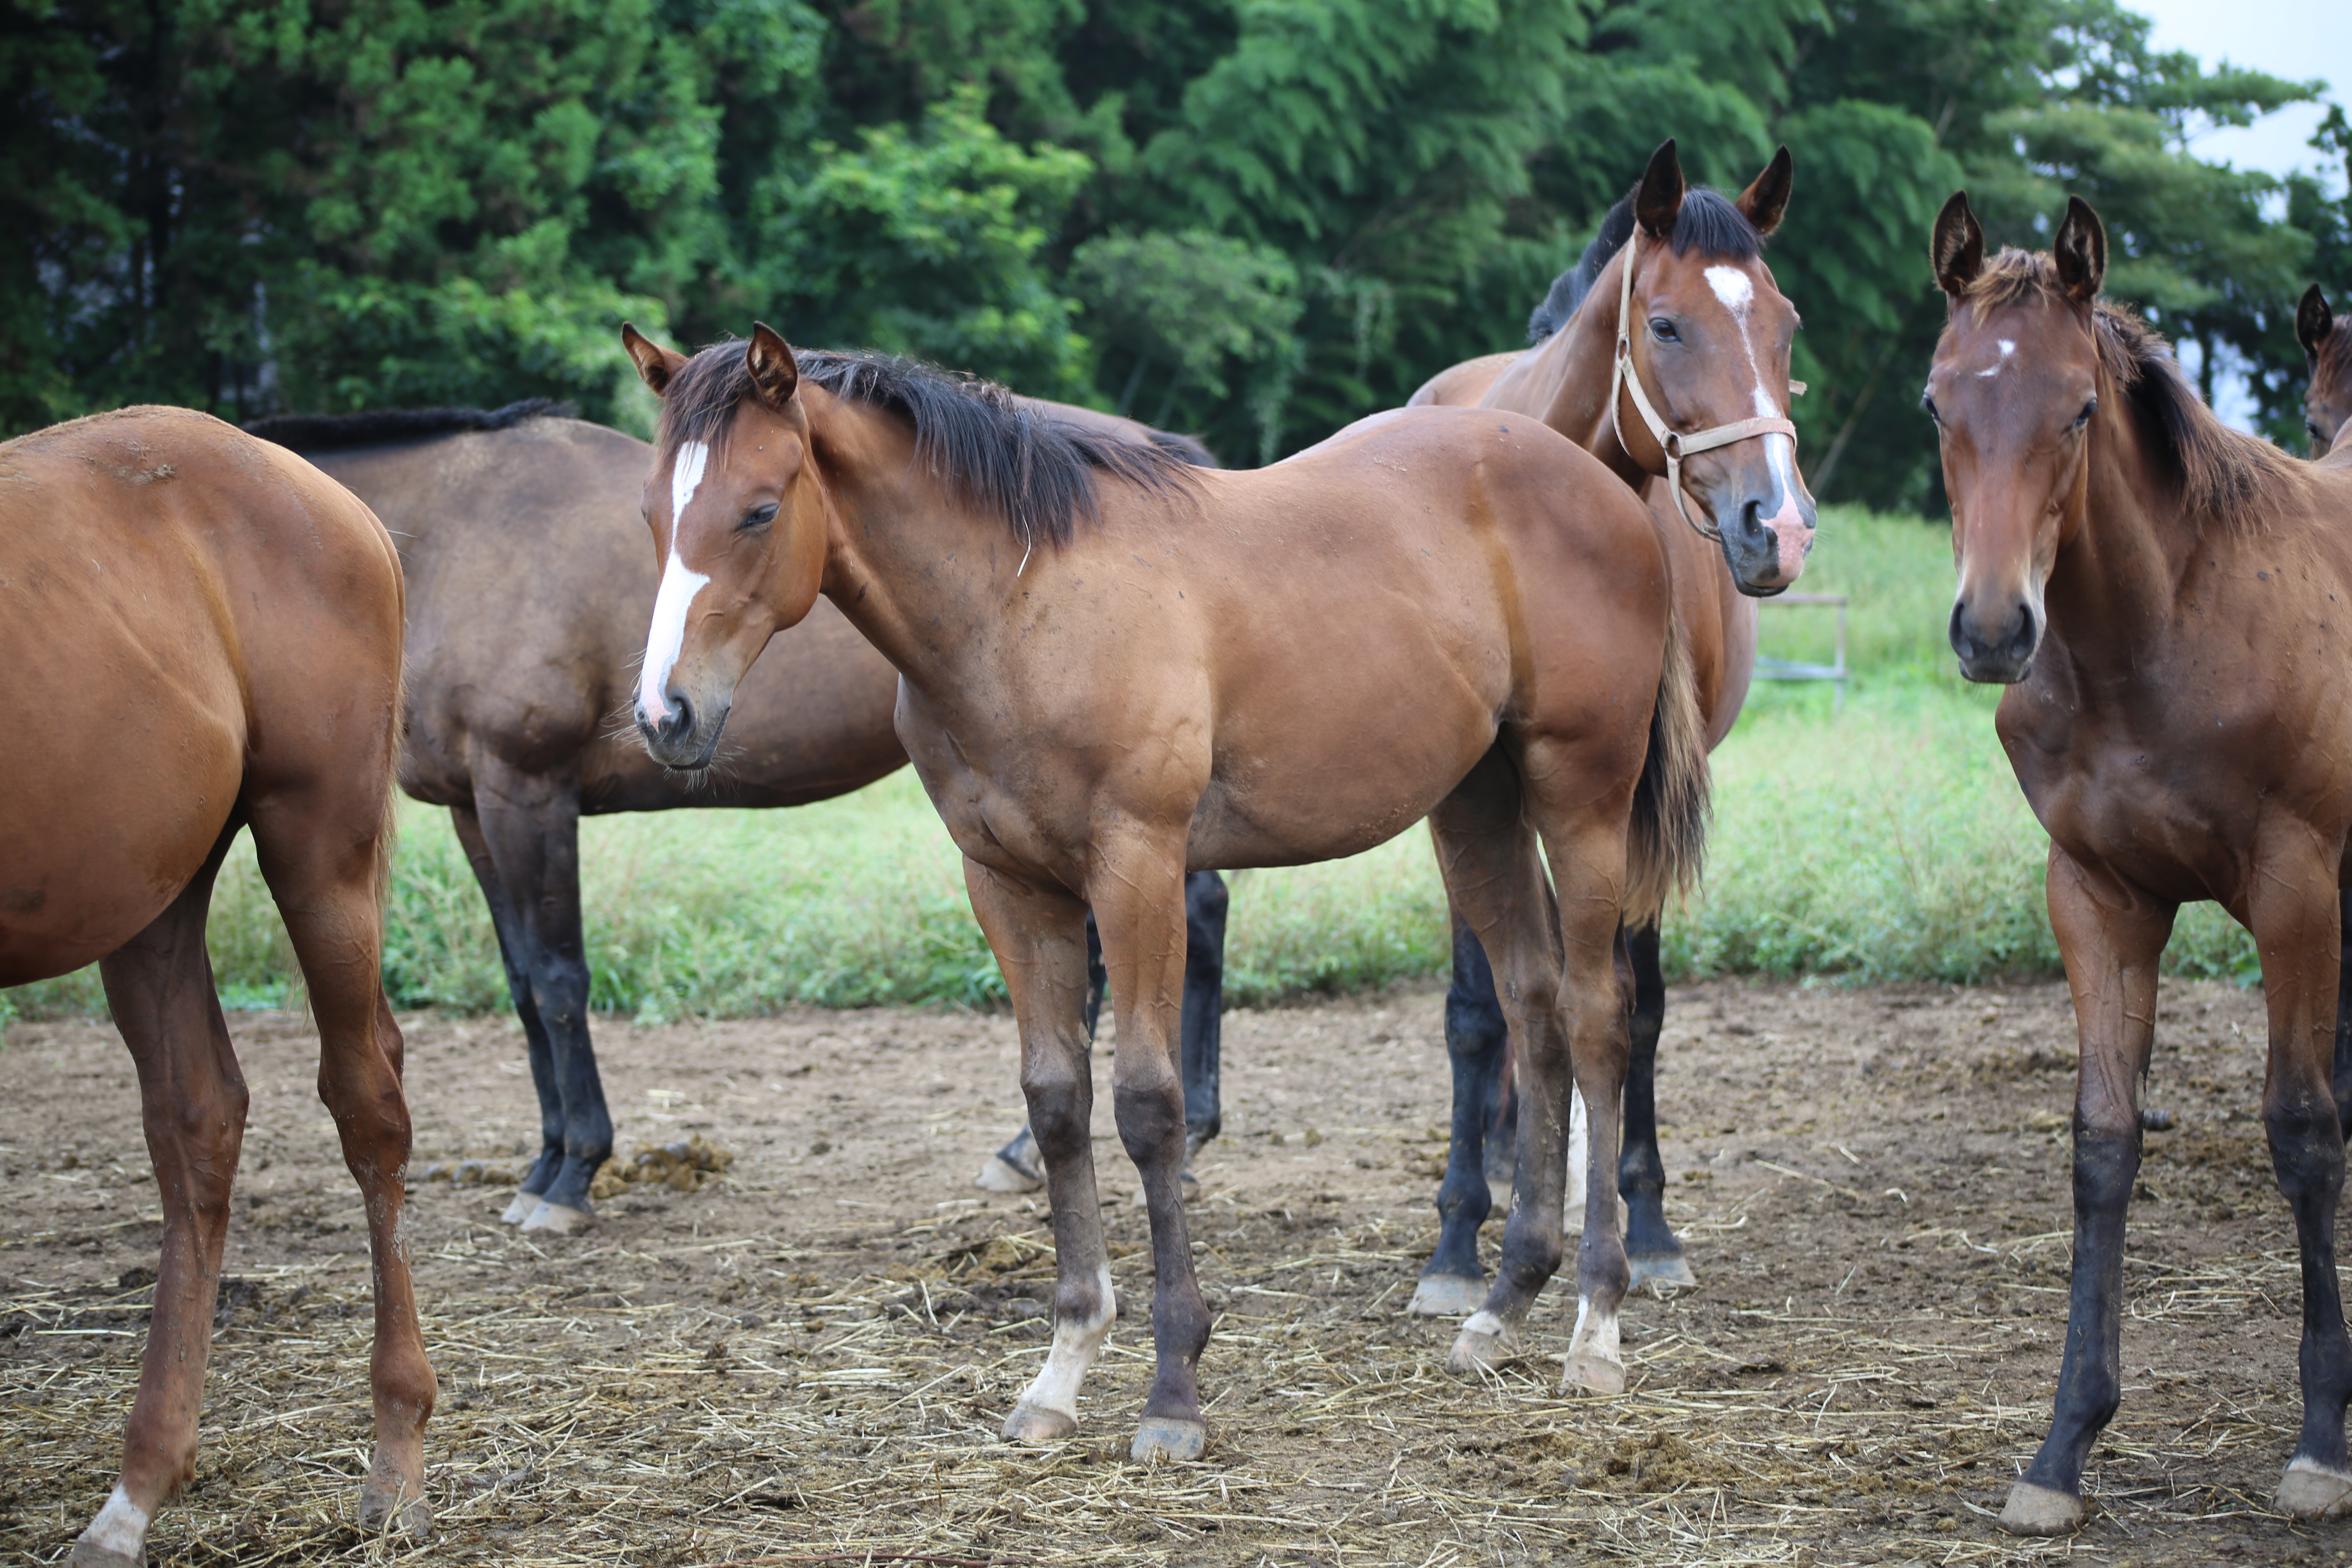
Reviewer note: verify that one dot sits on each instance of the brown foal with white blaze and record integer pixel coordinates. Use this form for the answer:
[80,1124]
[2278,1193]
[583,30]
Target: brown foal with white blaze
[228,621]
[1115,667]
[2166,601]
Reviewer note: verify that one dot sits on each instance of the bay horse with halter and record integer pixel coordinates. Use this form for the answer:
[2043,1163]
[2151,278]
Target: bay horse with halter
[2166,600]
[2327,348]
[1115,667]
[227,621]
[1665,352]
[527,588]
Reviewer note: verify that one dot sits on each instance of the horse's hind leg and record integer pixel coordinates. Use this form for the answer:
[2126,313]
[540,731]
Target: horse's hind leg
[530,822]
[1488,852]
[1454,1283]
[514,950]
[1651,1251]
[1039,938]
[193,1099]
[324,845]
[2342,1077]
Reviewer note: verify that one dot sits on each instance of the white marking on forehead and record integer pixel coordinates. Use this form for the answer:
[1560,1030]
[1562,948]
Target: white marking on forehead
[2007,346]
[1732,287]
[685,478]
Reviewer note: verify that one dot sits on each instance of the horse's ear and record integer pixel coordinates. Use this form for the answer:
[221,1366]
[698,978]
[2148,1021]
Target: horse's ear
[2313,321]
[658,365]
[1763,203]
[1659,197]
[1957,249]
[2080,250]
[775,373]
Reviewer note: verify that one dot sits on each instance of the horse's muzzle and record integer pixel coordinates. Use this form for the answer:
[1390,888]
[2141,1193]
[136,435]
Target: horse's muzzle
[1765,554]
[1996,649]
[685,737]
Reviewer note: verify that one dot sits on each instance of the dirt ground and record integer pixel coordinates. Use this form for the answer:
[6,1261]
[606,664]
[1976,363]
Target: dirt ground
[807,1361]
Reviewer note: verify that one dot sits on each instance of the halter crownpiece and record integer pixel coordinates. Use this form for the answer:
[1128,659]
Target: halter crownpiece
[1624,377]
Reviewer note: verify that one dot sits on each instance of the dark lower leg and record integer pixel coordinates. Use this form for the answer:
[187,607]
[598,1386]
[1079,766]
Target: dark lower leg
[1151,1128]
[2343,1069]
[2090,1380]
[1476,1041]
[2307,1153]
[1204,984]
[514,950]
[1641,1171]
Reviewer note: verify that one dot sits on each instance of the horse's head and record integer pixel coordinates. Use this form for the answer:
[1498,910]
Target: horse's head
[2016,380]
[2327,343]
[738,523]
[1709,333]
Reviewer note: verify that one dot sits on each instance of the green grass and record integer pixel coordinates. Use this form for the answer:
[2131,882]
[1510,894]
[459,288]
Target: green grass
[1877,838]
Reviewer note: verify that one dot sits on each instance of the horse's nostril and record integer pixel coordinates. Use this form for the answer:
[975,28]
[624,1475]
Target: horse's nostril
[681,716]
[2025,630]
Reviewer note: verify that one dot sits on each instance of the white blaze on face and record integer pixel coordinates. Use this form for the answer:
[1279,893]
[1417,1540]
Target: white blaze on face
[1738,292]
[678,587]
[2008,347]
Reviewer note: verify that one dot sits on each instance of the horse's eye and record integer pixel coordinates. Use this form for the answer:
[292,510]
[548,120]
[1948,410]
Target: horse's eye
[1928,403]
[1664,330]
[759,516]
[2085,417]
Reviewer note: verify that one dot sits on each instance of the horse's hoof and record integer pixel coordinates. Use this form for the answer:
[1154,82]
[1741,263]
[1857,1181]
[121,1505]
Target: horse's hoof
[1593,1373]
[1446,1296]
[519,1210]
[399,1511]
[87,1554]
[1484,1342]
[116,1539]
[559,1218]
[1661,1269]
[1002,1175]
[1036,1424]
[1167,1438]
[2312,1490]
[2039,1511]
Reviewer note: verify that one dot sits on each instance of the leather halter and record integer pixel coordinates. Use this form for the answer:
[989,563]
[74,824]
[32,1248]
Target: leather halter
[1624,377]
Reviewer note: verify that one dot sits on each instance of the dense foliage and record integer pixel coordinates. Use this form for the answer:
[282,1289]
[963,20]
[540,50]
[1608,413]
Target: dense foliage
[1253,218]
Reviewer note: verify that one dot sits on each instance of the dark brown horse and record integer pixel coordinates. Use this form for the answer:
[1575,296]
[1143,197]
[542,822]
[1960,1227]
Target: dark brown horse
[1713,347]
[2166,600]
[1115,667]
[2328,347]
[527,587]
[221,624]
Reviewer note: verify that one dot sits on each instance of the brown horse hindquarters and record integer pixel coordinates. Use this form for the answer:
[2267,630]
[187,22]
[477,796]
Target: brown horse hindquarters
[248,671]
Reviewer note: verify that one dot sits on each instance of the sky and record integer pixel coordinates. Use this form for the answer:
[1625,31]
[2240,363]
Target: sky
[2298,39]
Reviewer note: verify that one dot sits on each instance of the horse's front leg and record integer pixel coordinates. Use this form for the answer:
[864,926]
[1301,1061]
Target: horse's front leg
[2292,909]
[2111,938]
[1138,901]
[1039,937]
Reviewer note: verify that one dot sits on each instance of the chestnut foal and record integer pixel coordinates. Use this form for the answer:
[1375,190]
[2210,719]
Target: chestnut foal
[2165,599]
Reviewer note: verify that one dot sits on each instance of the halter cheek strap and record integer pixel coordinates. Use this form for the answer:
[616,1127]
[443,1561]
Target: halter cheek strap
[1624,378]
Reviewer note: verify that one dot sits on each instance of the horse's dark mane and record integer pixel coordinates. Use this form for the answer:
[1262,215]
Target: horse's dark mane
[2222,475]
[375,426]
[1036,472]
[1707,223]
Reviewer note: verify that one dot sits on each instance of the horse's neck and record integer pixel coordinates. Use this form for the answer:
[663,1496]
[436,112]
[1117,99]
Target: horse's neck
[920,577]
[2118,574]
[1564,381]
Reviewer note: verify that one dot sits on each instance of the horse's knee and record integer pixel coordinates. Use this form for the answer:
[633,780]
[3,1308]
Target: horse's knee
[1150,1115]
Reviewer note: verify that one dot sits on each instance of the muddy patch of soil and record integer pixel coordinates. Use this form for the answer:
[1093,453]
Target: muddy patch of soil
[810,1353]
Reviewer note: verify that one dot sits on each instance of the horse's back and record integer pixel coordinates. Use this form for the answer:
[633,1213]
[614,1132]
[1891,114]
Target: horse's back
[196,614]
[1462,385]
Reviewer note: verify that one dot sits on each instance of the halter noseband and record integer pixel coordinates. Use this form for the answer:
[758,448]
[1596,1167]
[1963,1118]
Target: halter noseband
[1624,377]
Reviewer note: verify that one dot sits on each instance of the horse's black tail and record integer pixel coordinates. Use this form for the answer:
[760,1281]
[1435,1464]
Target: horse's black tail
[1666,848]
